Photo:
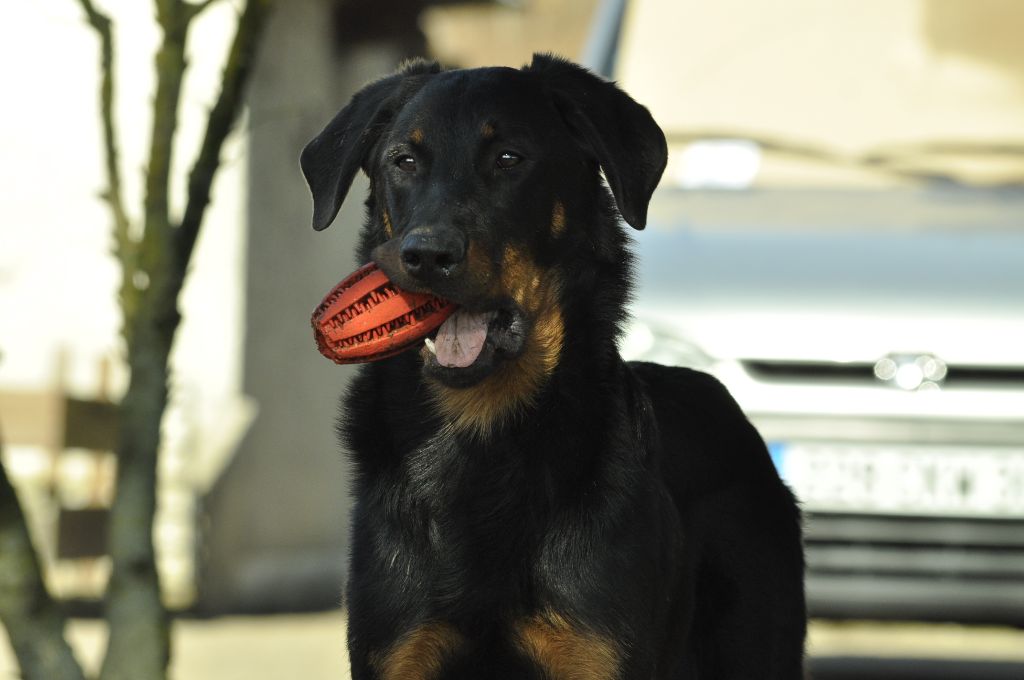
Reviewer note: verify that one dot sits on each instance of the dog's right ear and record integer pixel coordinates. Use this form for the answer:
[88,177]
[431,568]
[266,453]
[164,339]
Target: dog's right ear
[331,160]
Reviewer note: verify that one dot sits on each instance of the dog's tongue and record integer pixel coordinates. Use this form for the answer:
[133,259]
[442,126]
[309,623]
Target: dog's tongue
[461,337]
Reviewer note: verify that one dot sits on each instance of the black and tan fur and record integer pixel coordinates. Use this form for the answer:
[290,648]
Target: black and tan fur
[549,511]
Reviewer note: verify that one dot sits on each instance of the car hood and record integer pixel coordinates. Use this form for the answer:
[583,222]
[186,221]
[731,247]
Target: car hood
[834,276]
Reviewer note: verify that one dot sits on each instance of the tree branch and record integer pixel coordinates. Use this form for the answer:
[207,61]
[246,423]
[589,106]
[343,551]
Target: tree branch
[170,68]
[139,643]
[195,9]
[138,647]
[125,247]
[240,62]
[34,622]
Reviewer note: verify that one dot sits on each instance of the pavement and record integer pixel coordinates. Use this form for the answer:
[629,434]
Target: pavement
[312,647]
[280,647]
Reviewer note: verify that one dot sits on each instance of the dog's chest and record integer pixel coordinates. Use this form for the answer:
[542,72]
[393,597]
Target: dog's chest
[475,558]
[482,497]
[463,523]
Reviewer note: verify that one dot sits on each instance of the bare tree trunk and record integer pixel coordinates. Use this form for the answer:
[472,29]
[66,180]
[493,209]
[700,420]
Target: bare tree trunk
[33,621]
[139,642]
[153,273]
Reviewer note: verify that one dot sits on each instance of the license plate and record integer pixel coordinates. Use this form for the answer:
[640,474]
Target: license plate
[904,480]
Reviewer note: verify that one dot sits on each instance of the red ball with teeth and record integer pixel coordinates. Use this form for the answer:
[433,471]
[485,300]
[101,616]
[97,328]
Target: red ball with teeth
[366,318]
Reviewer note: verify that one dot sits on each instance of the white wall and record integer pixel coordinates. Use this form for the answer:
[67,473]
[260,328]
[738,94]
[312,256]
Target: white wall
[58,280]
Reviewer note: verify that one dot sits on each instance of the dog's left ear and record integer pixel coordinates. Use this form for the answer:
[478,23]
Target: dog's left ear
[618,132]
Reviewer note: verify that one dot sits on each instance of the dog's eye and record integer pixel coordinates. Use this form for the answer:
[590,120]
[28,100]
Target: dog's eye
[406,163]
[507,159]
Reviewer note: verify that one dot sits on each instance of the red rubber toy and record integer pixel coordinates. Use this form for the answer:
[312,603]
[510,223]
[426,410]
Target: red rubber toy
[366,318]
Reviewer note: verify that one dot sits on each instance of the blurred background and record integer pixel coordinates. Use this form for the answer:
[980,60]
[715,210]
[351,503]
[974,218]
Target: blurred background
[839,237]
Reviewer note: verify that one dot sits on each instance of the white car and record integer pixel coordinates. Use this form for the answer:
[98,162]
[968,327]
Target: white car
[883,363]
[858,288]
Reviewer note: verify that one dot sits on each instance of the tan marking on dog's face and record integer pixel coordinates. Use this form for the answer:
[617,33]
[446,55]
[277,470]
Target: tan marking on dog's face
[521,279]
[558,219]
[416,136]
[480,267]
[565,652]
[487,131]
[514,384]
[419,654]
[386,218]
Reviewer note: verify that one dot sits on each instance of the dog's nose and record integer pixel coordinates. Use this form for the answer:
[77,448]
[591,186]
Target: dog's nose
[427,252]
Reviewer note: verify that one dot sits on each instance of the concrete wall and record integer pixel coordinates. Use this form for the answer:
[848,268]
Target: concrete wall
[485,34]
[846,76]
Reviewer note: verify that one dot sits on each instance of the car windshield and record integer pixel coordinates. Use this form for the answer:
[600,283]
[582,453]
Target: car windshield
[848,94]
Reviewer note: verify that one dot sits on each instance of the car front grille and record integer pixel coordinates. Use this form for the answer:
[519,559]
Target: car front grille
[925,567]
[863,372]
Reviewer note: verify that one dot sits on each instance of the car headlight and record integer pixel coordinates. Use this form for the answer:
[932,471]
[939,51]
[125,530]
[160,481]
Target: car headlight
[643,341]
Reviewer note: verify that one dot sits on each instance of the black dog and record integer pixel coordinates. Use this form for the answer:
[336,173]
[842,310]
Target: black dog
[527,504]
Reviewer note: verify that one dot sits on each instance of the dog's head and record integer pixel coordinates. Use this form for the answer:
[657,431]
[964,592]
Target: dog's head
[486,190]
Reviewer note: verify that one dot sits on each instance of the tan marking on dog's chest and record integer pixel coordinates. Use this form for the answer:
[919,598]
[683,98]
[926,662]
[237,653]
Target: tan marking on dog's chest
[419,654]
[566,652]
